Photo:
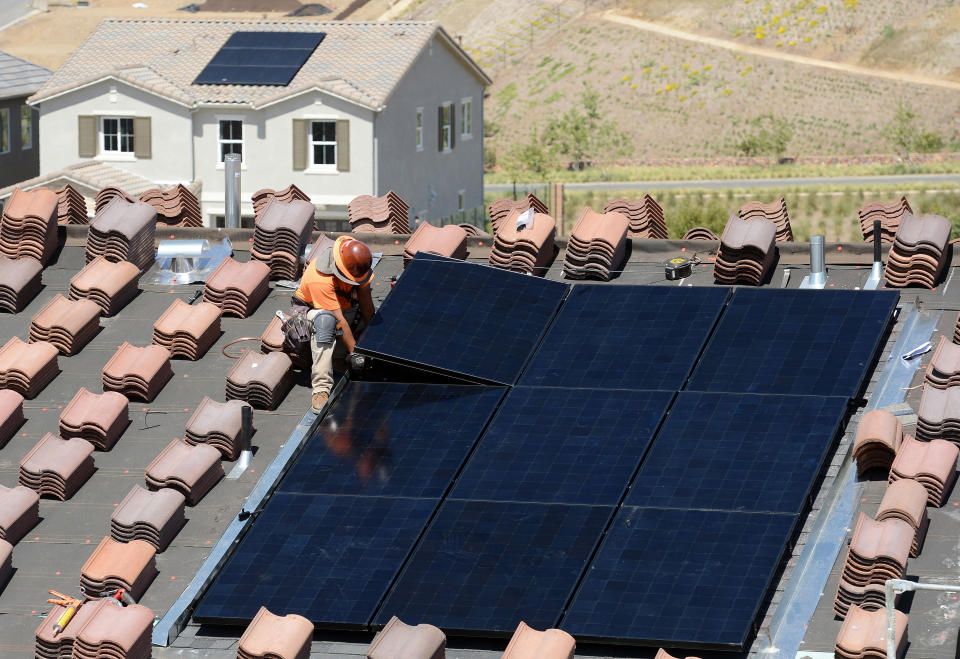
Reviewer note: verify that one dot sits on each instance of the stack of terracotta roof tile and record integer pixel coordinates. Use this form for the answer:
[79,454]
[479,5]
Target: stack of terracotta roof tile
[528,643]
[110,285]
[932,464]
[956,331]
[28,225]
[906,499]
[71,206]
[123,231]
[939,414]
[700,233]
[263,197]
[98,418]
[272,338]
[501,209]
[474,232]
[57,467]
[449,241]
[67,324]
[153,517]
[889,216]
[187,331]
[775,211]
[747,250]
[176,207]
[878,551]
[138,372]
[530,249]
[386,214]
[218,425]
[597,245]
[646,217]
[6,562]
[99,628]
[261,380]
[112,565]
[19,282]
[108,194]
[19,512]
[398,639]
[663,654]
[270,636]
[238,288]
[11,414]
[944,368]
[280,233]
[191,470]
[864,634]
[27,367]
[879,435]
[919,251]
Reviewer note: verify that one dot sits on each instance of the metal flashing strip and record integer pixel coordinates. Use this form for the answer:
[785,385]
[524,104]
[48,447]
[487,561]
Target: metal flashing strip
[176,617]
[782,639]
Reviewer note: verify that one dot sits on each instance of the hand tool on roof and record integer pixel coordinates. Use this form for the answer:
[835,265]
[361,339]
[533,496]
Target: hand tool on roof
[72,604]
[123,597]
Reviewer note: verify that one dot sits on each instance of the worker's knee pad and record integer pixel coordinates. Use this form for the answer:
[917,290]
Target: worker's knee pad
[324,327]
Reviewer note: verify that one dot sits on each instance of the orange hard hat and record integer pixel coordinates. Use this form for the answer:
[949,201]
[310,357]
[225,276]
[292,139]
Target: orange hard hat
[352,260]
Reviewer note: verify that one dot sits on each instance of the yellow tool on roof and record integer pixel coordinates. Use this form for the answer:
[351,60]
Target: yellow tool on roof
[72,604]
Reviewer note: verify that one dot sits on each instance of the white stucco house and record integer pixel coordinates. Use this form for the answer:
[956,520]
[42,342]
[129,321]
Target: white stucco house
[375,107]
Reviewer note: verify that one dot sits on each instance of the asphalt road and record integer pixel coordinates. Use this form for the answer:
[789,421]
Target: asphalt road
[13,10]
[906,179]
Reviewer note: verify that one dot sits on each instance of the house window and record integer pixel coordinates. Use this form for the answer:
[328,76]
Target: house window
[26,127]
[230,138]
[466,119]
[323,143]
[461,196]
[4,130]
[118,135]
[446,129]
[419,129]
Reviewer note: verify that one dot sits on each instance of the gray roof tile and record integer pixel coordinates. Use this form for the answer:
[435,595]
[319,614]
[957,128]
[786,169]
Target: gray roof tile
[19,77]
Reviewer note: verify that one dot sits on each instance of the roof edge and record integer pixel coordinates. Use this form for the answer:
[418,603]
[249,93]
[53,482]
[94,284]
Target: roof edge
[38,97]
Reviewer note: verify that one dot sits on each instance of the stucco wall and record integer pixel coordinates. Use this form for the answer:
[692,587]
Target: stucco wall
[19,164]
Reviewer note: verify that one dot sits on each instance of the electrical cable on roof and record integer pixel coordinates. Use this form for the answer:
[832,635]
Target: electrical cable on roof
[242,338]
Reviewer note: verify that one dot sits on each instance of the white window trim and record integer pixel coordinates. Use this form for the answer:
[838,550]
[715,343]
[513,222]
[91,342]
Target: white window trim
[102,152]
[451,127]
[243,139]
[463,102]
[419,117]
[9,134]
[312,167]
[29,145]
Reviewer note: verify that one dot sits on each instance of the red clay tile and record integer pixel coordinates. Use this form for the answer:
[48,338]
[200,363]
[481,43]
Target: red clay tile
[864,634]
[19,512]
[281,231]
[932,464]
[128,565]
[57,467]
[879,435]
[261,198]
[175,206]
[217,424]
[889,215]
[98,418]
[501,209]
[282,637]
[11,414]
[154,517]
[386,214]
[528,643]
[597,245]
[67,324]
[530,250]
[646,217]
[261,380]
[28,225]
[27,367]
[700,233]
[747,250]
[114,631]
[397,639]
[191,470]
[238,288]
[138,372]
[19,282]
[111,285]
[123,231]
[449,241]
[187,330]
[775,211]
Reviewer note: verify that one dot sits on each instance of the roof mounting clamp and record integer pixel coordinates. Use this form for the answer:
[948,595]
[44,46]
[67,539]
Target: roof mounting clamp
[818,271]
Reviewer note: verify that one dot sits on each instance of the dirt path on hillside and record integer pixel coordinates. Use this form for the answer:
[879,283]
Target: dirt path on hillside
[647,26]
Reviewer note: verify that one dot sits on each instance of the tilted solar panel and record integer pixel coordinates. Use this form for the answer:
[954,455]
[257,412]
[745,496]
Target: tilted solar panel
[260,58]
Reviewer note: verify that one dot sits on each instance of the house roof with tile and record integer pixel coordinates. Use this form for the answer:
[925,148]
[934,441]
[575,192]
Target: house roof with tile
[360,62]
[90,175]
[19,77]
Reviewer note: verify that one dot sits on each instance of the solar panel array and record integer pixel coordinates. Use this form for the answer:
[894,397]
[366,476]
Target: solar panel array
[260,58]
[639,480]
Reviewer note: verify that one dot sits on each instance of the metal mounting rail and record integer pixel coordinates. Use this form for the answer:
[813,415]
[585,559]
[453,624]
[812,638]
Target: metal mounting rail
[894,587]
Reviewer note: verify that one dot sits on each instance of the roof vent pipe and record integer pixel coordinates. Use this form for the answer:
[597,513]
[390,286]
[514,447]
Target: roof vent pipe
[231,169]
[876,272]
[818,276]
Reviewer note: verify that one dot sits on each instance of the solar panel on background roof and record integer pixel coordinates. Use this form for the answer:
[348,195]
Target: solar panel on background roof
[393,440]
[630,337]
[475,321]
[563,445]
[327,558]
[260,58]
[743,452]
[487,565]
[805,342]
[674,577]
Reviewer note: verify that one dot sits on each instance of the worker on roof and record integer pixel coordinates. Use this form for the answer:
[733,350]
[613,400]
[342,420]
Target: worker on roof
[335,293]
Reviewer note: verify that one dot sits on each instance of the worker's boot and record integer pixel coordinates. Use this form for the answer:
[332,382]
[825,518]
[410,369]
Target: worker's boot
[319,400]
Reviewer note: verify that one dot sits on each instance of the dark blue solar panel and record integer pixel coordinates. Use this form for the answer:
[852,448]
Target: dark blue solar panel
[676,577]
[459,318]
[393,440]
[806,342]
[740,452]
[260,58]
[329,559]
[629,337]
[485,566]
[563,445]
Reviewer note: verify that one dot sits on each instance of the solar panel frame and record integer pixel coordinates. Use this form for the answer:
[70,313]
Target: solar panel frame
[793,341]
[260,58]
[665,328]
[680,578]
[477,323]
[403,440]
[327,558]
[542,446]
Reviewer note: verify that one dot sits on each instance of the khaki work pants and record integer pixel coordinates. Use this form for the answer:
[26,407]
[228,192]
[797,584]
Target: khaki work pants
[321,374]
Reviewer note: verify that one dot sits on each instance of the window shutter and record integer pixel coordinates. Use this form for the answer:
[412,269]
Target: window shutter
[343,145]
[299,145]
[440,128]
[453,123]
[142,138]
[87,131]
